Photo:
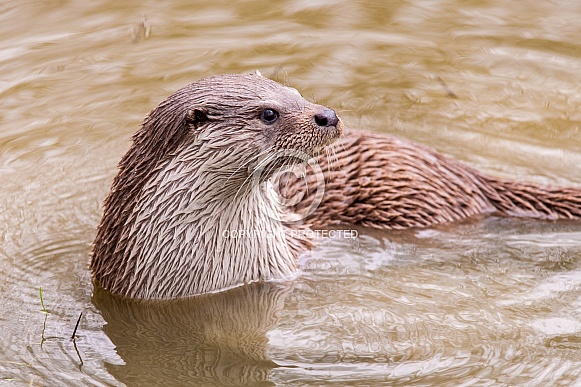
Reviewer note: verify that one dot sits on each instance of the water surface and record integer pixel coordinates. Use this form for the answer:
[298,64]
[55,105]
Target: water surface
[488,301]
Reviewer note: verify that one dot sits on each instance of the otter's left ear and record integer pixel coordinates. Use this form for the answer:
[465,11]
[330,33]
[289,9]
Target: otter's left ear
[196,117]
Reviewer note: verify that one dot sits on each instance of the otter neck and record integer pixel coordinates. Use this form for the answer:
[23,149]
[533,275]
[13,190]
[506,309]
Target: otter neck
[199,225]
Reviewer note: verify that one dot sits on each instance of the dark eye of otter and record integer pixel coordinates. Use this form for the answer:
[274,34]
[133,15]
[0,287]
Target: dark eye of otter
[269,116]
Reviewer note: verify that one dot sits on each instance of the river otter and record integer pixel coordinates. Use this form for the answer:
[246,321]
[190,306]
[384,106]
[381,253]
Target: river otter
[193,210]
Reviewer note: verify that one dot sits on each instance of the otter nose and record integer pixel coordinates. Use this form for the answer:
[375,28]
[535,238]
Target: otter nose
[326,118]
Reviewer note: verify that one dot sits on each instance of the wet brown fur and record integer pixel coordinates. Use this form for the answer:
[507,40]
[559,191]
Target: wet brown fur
[186,179]
[379,181]
[371,180]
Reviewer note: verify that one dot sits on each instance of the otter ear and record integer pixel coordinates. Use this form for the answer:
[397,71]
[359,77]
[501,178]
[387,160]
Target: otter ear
[196,117]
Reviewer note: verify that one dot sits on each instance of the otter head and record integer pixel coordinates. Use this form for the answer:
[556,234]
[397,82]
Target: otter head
[185,180]
[265,124]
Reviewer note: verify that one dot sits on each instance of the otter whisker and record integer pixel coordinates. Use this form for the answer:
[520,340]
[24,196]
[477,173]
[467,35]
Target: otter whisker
[241,166]
[243,185]
[256,168]
[334,157]
[245,164]
[328,159]
[343,146]
[304,176]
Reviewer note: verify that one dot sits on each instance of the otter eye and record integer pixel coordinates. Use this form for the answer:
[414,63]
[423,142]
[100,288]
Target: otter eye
[269,116]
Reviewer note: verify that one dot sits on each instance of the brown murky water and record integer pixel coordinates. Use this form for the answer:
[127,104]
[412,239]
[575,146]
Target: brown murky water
[489,301]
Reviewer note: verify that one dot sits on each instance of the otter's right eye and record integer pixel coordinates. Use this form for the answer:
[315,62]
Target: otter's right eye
[269,116]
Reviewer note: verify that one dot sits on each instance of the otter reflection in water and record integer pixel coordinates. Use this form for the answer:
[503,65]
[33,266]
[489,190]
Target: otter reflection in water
[202,165]
[216,339]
